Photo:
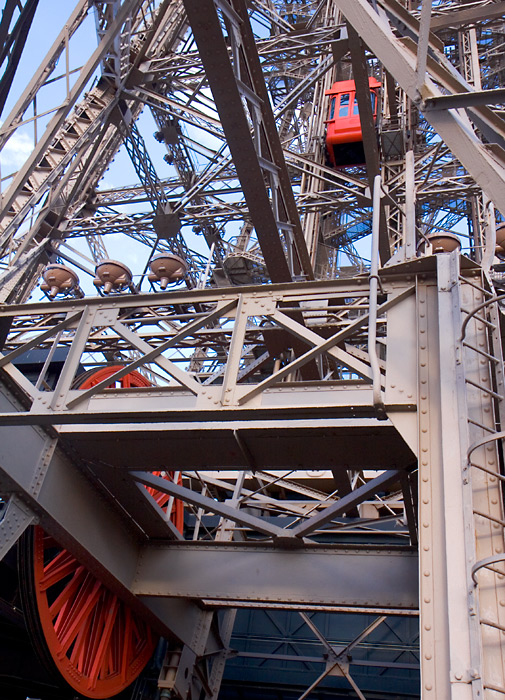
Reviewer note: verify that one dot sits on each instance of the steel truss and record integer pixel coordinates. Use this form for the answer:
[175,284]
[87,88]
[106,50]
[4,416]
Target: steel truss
[336,434]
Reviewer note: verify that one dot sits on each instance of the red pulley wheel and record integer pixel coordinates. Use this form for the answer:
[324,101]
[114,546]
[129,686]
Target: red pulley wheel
[95,641]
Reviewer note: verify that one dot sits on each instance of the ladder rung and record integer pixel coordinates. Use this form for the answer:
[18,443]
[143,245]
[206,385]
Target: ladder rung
[484,388]
[491,358]
[476,286]
[479,319]
[494,688]
[483,427]
[488,471]
[489,623]
[490,517]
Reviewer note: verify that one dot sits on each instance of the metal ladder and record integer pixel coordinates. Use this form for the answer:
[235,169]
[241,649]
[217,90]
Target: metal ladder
[484,477]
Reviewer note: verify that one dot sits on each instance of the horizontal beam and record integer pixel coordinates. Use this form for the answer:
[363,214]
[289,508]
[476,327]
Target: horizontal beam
[174,404]
[321,659]
[465,99]
[311,607]
[211,443]
[332,576]
[458,18]
[288,292]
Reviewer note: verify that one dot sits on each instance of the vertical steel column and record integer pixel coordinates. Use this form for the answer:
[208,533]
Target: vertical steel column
[409,235]
[445,518]
[374,280]
[460,498]
[235,352]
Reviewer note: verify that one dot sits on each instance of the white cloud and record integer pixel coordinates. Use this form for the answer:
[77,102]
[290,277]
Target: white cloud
[16,151]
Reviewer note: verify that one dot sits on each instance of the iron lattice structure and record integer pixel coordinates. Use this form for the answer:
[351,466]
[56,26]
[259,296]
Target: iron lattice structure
[323,389]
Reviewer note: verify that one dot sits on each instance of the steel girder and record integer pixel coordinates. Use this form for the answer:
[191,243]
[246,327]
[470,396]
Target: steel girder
[55,488]
[77,150]
[231,574]
[257,156]
[12,40]
[10,197]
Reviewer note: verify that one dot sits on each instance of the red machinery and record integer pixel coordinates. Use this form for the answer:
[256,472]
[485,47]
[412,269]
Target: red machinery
[344,140]
[80,628]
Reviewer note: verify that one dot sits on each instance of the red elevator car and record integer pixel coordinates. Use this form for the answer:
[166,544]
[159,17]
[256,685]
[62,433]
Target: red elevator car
[344,140]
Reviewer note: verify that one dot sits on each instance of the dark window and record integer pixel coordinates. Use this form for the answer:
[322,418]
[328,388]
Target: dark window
[344,105]
[332,107]
[355,109]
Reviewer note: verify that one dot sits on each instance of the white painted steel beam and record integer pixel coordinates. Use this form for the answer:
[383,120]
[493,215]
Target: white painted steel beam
[445,621]
[460,510]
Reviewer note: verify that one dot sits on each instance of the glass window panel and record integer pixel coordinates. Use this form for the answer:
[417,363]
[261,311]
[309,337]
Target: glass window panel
[332,107]
[344,105]
[373,98]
